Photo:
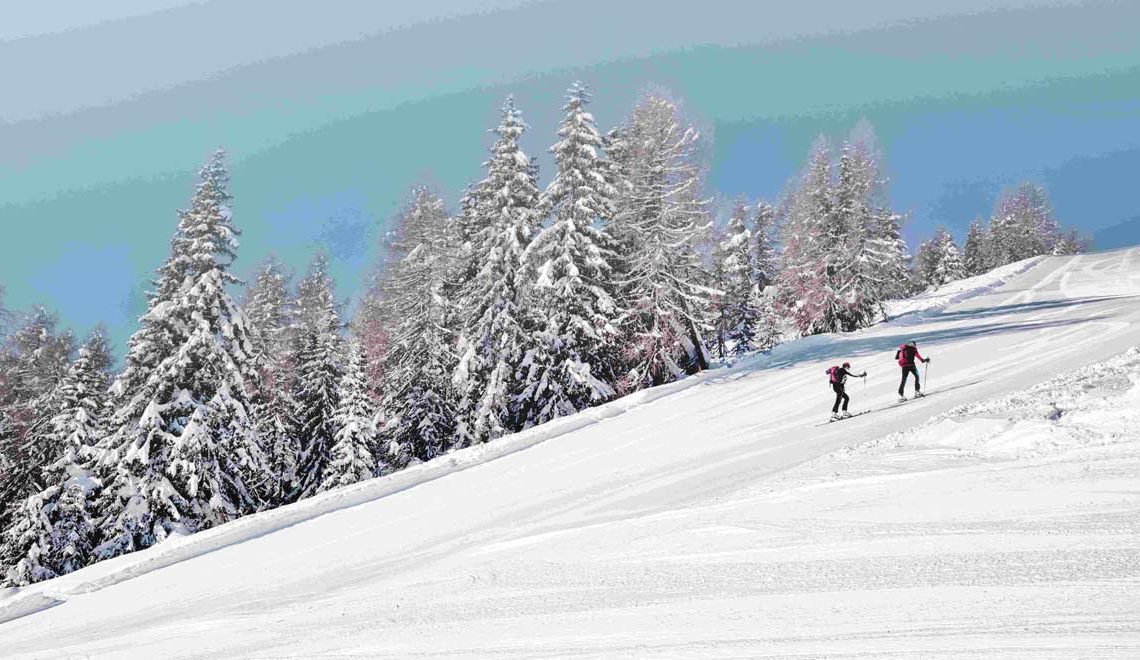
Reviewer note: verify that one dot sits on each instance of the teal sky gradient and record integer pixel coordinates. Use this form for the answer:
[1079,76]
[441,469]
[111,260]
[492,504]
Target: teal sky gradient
[325,138]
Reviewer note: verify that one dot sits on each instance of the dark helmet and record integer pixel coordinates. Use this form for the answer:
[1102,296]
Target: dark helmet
[846,364]
[912,343]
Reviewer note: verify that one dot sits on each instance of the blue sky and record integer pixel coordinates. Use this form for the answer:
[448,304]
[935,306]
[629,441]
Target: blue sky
[330,113]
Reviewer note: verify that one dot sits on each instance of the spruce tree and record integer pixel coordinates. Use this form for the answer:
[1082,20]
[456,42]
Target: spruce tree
[939,261]
[950,267]
[766,258]
[497,324]
[770,324]
[570,366]
[54,530]
[351,458]
[184,447]
[33,362]
[318,364]
[878,262]
[416,420]
[271,318]
[737,306]
[1023,225]
[975,259]
[810,291]
[667,288]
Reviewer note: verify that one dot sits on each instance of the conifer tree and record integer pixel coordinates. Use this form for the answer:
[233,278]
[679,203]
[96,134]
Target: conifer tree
[497,324]
[570,366]
[1023,226]
[33,362]
[950,267]
[417,414]
[939,261]
[810,291]
[54,530]
[975,260]
[769,326]
[318,363]
[351,456]
[184,448]
[843,252]
[667,288]
[270,312]
[878,259]
[766,258]
[738,306]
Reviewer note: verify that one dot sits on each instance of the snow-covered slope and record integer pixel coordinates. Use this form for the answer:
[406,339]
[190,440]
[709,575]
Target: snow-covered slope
[998,517]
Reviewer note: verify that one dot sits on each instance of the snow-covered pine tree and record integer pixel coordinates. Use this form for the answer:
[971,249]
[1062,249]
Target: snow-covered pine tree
[950,267]
[939,261]
[891,258]
[857,276]
[619,165]
[737,307]
[54,530]
[1023,225]
[667,288]
[769,328]
[270,313]
[372,331]
[975,257]
[416,420]
[815,252]
[496,322]
[878,265]
[1072,242]
[766,258]
[351,455]
[184,448]
[317,360]
[33,362]
[925,262]
[570,366]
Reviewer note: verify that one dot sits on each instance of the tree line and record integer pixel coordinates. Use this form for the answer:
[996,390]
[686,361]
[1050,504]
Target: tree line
[524,304]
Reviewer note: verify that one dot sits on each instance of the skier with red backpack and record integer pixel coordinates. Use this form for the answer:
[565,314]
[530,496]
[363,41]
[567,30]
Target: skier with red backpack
[906,356]
[838,378]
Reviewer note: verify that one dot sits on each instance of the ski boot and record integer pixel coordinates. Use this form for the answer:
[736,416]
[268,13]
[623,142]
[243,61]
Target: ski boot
[844,415]
[902,399]
[918,395]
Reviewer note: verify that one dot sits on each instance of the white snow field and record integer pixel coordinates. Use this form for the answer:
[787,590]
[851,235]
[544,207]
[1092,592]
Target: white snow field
[999,517]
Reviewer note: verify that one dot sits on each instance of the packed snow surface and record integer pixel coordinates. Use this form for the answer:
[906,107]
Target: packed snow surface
[719,516]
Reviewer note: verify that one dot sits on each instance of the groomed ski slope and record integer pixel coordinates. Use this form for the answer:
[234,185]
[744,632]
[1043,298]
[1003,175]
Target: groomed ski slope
[998,517]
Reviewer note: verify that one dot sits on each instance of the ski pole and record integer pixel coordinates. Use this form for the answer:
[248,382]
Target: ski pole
[926,375]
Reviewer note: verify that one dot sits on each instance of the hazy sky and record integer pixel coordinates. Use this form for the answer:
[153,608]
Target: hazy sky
[332,110]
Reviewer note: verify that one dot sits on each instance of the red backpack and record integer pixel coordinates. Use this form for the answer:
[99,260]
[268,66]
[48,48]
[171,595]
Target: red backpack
[833,374]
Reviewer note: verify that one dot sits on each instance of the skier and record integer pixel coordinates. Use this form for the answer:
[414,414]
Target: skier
[838,377]
[905,355]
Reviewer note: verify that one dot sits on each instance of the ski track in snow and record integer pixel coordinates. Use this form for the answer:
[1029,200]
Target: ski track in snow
[711,517]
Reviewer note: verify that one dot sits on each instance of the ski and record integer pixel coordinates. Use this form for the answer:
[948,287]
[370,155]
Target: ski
[853,415]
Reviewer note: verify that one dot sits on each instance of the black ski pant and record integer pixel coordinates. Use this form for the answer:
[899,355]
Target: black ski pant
[909,369]
[840,395]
